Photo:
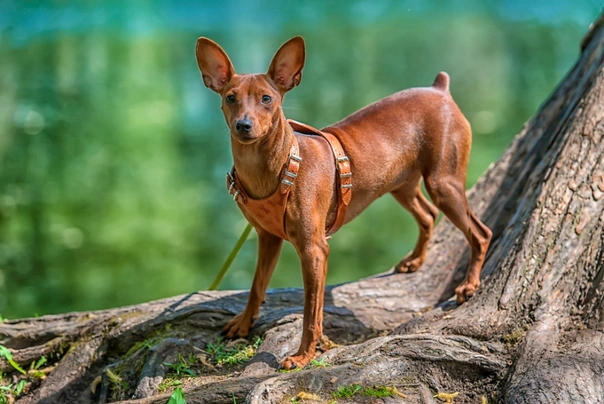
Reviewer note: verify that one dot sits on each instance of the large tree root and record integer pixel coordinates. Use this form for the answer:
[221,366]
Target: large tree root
[419,366]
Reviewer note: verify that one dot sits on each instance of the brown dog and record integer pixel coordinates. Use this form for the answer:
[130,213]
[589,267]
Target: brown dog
[391,145]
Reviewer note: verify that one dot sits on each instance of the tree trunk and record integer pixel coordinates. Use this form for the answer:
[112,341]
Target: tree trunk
[532,334]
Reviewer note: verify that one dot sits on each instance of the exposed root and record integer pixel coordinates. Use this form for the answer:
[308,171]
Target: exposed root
[404,362]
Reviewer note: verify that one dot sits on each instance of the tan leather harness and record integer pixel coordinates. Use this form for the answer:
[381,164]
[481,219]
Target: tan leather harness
[269,212]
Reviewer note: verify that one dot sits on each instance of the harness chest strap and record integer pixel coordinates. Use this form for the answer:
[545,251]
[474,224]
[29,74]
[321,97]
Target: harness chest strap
[343,172]
[343,181]
[269,212]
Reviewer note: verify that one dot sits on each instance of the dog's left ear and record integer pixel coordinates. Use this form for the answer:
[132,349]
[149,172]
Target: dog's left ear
[286,68]
[214,64]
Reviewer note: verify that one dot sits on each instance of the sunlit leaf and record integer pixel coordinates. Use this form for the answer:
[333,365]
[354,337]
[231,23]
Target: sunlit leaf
[4,352]
[177,397]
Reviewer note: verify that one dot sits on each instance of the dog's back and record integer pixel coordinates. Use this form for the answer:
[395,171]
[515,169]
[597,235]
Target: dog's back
[402,137]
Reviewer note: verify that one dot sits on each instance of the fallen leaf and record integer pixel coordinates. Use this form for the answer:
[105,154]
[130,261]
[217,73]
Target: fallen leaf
[95,383]
[394,390]
[446,397]
[308,396]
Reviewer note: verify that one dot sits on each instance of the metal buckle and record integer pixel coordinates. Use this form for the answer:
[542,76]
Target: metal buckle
[235,195]
[295,158]
[343,158]
[347,186]
[346,175]
[290,174]
[286,182]
[231,186]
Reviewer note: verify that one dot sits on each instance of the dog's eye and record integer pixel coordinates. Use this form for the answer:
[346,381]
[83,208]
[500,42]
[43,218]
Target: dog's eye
[230,99]
[266,99]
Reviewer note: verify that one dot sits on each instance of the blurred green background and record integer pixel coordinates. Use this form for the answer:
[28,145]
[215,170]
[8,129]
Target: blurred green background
[113,153]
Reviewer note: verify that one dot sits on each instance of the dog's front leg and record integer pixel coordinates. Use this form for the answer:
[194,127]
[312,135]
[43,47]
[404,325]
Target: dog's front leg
[313,256]
[269,247]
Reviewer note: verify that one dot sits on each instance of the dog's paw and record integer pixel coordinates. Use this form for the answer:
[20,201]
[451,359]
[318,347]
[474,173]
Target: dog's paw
[238,326]
[465,291]
[294,362]
[408,265]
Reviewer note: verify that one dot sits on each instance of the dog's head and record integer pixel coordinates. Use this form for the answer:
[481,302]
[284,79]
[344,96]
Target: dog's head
[251,103]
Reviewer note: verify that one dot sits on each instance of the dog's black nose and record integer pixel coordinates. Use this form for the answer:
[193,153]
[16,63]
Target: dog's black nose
[243,125]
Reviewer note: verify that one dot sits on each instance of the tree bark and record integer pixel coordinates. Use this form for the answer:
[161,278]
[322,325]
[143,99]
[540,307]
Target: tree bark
[534,332]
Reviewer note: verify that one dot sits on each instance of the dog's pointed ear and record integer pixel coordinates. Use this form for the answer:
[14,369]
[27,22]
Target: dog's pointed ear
[214,64]
[286,68]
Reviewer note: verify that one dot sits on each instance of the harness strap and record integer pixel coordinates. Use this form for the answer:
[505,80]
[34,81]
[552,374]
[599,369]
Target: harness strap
[290,171]
[343,172]
[343,181]
[269,212]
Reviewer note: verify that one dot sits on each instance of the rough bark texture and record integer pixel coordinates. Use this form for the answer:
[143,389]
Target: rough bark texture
[534,333]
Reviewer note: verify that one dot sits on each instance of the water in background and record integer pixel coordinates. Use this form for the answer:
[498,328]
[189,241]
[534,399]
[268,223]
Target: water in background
[113,153]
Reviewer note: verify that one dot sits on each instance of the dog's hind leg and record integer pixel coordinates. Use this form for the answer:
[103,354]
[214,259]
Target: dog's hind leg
[448,193]
[412,199]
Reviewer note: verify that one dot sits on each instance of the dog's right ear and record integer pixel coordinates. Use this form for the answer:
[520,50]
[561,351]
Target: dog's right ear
[214,64]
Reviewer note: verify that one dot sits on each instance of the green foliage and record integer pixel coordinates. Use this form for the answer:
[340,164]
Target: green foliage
[182,367]
[346,391]
[225,354]
[170,381]
[149,342]
[378,392]
[4,352]
[116,383]
[11,390]
[514,338]
[39,363]
[177,397]
[36,365]
[318,363]
[373,392]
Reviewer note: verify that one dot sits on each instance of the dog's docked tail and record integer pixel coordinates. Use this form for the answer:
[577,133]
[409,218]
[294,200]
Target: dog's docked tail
[441,82]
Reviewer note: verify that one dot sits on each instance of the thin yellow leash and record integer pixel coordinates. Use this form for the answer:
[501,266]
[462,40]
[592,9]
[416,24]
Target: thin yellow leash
[231,257]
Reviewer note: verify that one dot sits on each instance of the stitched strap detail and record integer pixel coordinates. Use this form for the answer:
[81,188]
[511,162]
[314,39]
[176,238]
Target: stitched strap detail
[343,172]
[291,168]
[343,181]
[235,188]
[268,213]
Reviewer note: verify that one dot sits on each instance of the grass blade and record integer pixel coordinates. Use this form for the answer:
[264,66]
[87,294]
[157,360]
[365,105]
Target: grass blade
[9,357]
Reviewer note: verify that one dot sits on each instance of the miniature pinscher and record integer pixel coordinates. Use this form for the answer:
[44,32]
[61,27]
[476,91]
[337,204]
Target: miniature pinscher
[296,183]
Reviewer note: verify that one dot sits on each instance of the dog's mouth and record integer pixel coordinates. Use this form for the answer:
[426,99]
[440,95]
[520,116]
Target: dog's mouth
[244,138]
[248,137]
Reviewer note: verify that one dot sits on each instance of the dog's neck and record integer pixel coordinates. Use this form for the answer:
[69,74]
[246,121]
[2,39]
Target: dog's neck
[259,164]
